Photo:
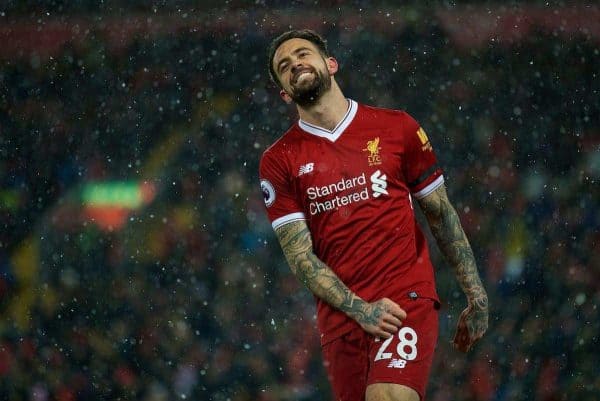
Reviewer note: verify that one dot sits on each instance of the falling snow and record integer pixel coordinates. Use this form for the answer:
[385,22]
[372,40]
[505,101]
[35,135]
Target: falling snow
[137,262]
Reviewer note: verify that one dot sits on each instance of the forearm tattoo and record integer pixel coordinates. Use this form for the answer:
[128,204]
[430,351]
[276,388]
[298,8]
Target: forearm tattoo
[296,242]
[454,245]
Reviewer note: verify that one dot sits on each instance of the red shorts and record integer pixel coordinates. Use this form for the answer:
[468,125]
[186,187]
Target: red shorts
[357,359]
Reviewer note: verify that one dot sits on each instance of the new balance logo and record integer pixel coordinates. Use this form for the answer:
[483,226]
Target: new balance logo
[379,186]
[306,168]
[397,363]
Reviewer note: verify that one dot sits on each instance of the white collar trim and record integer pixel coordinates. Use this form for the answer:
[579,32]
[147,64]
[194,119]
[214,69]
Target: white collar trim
[339,128]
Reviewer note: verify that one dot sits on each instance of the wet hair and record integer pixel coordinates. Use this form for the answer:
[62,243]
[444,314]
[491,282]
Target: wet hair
[306,34]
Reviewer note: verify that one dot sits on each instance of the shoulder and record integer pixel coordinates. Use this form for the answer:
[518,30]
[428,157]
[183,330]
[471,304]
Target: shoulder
[279,153]
[385,114]
[283,146]
[285,141]
[397,122]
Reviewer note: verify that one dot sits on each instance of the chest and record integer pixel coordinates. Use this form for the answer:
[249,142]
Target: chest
[321,162]
[359,166]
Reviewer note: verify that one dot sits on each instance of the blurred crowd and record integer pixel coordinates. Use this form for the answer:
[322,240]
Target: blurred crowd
[192,299]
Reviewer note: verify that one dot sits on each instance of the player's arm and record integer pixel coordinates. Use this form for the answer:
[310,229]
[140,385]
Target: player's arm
[381,318]
[454,245]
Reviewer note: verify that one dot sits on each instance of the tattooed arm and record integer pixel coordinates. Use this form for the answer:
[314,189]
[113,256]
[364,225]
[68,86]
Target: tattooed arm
[454,245]
[380,318]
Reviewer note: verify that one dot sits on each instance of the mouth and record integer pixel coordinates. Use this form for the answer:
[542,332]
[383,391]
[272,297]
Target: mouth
[302,74]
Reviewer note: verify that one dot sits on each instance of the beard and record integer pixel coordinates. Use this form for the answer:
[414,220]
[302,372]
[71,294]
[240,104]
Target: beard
[309,94]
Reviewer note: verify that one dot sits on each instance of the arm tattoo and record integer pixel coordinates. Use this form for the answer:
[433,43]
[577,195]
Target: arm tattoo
[454,245]
[296,242]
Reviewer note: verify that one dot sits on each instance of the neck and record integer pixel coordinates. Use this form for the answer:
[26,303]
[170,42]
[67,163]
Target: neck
[328,111]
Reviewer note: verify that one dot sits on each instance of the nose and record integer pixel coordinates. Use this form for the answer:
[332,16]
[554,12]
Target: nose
[296,64]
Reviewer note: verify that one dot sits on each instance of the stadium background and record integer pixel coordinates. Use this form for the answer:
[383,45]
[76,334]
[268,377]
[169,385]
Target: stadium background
[136,261]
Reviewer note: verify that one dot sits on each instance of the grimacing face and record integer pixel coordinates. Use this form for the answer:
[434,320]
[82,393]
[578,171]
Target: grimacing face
[302,70]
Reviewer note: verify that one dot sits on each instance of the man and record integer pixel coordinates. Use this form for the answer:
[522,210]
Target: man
[339,189]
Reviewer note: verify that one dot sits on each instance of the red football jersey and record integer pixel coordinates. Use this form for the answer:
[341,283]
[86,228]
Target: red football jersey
[353,186]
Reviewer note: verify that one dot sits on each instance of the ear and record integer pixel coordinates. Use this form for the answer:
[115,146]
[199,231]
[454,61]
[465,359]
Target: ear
[332,65]
[286,98]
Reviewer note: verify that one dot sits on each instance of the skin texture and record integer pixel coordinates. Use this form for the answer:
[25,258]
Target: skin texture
[390,392]
[303,82]
[296,56]
[454,245]
[381,318]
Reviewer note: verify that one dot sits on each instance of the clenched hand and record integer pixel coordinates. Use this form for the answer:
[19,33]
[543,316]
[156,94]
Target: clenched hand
[381,318]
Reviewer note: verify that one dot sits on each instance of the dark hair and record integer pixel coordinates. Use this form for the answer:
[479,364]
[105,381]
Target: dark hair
[306,34]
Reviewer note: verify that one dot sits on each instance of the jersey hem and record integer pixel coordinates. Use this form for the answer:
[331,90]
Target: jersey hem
[424,289]
[326,338]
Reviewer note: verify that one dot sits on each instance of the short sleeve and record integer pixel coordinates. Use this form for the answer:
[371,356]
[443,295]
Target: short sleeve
[278,192]
[421,170]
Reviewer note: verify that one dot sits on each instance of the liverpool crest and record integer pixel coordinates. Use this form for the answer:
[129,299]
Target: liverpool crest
[373,148]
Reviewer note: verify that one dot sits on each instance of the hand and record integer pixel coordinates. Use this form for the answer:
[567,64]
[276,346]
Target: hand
[472,325]
[381,318]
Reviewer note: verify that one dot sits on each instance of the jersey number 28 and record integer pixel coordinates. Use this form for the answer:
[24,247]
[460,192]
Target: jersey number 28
[407,342]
